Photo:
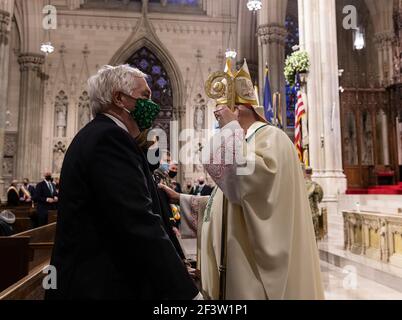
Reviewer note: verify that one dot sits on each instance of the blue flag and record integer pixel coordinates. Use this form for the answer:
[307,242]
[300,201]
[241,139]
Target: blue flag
[268,108]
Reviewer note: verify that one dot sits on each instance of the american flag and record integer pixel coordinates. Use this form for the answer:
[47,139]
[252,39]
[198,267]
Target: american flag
[300,112]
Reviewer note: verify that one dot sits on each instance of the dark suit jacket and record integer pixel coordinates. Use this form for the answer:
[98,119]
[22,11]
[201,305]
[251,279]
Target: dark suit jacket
[206,191]
[31,190]
[110,242]
[41,193]
[166,213]
[12,198]
[178,188]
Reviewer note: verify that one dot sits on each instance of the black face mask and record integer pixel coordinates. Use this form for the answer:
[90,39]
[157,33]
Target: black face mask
[48,178]
[201,183]
[153,167]
[172,174]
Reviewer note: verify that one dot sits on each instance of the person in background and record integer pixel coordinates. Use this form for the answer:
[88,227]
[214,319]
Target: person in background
[7,219]
[57,184]
[172,175]
[315,196]
[27,191]
[189,188]
[202,189]
[12,194]
[46,198]
[110,241]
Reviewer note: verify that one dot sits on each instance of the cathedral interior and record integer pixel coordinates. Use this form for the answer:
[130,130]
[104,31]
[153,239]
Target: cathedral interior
[353,92]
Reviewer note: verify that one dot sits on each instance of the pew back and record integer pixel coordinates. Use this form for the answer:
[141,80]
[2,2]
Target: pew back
[24,252]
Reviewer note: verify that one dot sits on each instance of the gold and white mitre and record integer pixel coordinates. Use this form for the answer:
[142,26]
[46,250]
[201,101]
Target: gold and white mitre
[233,89]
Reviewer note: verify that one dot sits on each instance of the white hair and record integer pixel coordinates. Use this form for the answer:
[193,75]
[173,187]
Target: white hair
[108,80]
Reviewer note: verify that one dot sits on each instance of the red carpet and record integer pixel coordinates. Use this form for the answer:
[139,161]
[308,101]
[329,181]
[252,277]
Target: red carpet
[392,189]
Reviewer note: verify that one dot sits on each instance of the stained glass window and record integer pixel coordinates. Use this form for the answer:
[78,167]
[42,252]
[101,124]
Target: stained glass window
[292,39]
[159,83]
[291,100]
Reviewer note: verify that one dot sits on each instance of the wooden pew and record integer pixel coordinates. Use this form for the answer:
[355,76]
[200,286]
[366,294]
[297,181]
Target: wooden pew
[15,260]
[52,216]
[23,253]
[24,217]
[22,224]
[29,287]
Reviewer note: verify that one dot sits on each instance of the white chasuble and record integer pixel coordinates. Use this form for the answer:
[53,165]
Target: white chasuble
[271,247]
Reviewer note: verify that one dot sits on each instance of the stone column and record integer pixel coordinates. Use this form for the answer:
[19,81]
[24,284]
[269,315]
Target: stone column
[272,34]
[74,4]
[247,47]
[5,18]
[385,45]
[30,117]
[381,13]
[318,37]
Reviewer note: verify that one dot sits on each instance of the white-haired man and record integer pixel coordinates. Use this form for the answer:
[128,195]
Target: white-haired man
[111,242]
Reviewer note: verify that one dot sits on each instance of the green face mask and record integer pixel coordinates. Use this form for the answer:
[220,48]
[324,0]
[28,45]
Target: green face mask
[145,113]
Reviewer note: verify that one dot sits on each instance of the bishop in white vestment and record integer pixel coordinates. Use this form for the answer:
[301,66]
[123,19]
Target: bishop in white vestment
[271,247]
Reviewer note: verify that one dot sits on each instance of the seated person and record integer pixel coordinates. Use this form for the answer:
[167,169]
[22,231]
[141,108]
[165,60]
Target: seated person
[7,219]
[26,191]
[12,194]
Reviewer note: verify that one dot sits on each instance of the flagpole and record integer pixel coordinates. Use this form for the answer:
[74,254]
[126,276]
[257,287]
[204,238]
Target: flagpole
[280,117]
[256,94]
[274,107]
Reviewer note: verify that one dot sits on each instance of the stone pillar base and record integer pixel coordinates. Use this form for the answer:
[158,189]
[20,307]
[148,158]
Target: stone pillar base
[334,183]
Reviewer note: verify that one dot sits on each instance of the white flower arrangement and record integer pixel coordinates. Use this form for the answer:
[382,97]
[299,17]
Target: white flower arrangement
[297,62]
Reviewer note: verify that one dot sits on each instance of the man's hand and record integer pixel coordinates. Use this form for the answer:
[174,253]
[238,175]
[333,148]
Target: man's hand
[56,199]
[176,232]
[173,196]
[49,200]
[224,116]
[194,273]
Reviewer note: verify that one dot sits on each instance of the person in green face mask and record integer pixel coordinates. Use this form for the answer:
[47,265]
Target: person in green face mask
[135,109]
[112,226]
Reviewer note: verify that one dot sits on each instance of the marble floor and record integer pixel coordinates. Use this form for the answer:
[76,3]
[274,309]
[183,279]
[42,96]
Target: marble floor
[344,284]
[339,283]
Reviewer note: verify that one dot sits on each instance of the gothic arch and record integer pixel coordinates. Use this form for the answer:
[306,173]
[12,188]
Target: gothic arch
[170,65]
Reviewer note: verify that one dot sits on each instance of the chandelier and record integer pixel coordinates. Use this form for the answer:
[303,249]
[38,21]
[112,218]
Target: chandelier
[359,42]
[231,53]
[47,47]
[254,5]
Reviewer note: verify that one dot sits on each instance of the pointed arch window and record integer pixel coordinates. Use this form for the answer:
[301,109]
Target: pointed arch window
[160,84]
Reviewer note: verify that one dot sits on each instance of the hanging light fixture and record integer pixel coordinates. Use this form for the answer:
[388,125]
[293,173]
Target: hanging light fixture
[47,47]
[230,51]
[254,5]
[359,42]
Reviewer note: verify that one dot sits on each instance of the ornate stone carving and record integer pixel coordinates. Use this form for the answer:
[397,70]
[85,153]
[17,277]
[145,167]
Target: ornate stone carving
[59,151]
[380,235]
[8,167]
[84,110]
[398,45]
[269,33]
[61,109]
[31,61]
[383,39]
[121,24]
[9,154]
[10,145]
[4,23]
